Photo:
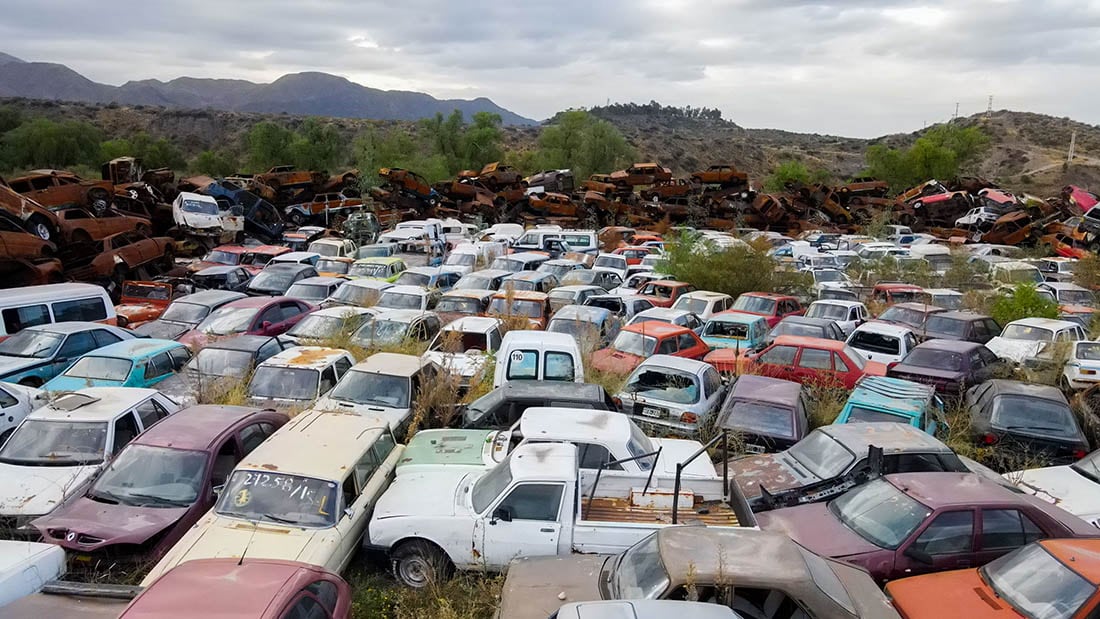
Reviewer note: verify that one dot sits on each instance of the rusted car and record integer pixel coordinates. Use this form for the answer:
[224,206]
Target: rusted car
[35,219]
[664,292]
[726,175]
[18,244]
[601,183]
[112,259]
[142,302]
[80,225]
[560,181]
[60,188]
[744,569]
[159,485]
[497,174]
[323,207]
[286,177]
[553,205]
[663,190]
[410,183]
[535,306]
[641,174]
[917,523]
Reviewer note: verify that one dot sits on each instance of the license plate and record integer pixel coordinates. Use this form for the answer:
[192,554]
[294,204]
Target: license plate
[648,411]
[82,558]
[753,449]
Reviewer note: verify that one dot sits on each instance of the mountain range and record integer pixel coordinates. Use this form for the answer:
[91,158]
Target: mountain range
[309,94]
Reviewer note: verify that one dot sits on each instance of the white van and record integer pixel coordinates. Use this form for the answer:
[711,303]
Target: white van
[937,256]
[469,257]
[538,355]
[38,305]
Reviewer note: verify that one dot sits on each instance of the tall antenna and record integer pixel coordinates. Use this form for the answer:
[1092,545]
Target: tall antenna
[956,111]
[989,109]
[1072,146]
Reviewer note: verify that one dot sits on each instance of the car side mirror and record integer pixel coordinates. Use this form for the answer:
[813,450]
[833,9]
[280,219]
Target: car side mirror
[503,513]
[218,490]
[918,555]
[349,512]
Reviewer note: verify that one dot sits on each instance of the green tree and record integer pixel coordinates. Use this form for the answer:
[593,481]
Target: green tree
[10,118]
[735,270]
[583,143]
[1024,301]
[215,163]
[268,145]
[793,172]
[153,152]
[44,143]
[481,141]
[316,146]
[943,152]
[446,139]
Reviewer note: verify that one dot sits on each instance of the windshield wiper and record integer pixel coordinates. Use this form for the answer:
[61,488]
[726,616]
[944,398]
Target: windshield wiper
[105,497]
[1047,428]
[277,519]
[157,499]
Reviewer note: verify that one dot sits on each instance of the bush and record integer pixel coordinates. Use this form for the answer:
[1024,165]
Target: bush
[733,271]
[43,143]
[1023,302]
[794,172]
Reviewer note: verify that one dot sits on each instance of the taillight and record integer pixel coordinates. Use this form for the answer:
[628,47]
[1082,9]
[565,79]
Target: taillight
[989,439]
[688,418]
[1079,453]
[618,402]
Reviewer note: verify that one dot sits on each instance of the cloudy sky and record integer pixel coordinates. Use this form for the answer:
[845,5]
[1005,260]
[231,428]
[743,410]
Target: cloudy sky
[850,67]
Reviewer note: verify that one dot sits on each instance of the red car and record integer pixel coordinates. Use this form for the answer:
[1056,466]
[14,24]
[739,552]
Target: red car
[813,359]
[774,307]
[664,292]
[633,254]
[254,316]
[896,293]
[256,258]
[222,255]
[638,342]
[213,587]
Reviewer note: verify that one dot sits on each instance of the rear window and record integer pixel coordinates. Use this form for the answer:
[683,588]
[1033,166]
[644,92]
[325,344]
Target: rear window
[875,342]
[860,413]
[559,366]
[947,326]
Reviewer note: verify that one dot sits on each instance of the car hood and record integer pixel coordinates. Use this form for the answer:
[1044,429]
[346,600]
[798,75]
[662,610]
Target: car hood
[114,524]
[423,494]
[164,329]
[393,416]
[768,470]
[917,372]
[537,586]
[11,365]
[608,360]
[230,538]
[198,220]
[817,529]
[1016,350]
[457,363]
[678,450]
[962,591]
[130,309]
[1063,487]
[38,490]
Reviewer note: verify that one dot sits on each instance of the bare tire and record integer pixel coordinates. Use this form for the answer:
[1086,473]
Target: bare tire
[298,219]
[419,563]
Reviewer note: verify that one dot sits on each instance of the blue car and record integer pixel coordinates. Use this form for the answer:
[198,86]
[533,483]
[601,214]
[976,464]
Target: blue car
[36,354]
[735,330]
[878,398]
[133,363]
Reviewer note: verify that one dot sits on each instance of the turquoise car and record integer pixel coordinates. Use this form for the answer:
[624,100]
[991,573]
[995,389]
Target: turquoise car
[131,363]
[878,398]
[735,330]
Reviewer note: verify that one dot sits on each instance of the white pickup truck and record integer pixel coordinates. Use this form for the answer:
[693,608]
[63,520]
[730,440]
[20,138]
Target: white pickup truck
[537,502]
[601,437]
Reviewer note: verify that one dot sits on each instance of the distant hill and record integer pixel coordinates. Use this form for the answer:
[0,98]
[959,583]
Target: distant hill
[310,94]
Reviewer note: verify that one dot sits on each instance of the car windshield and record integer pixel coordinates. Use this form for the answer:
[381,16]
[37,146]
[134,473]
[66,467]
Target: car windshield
[863,414]
[282,499]
[223,257]
[31,343]
[639,572]
[228,320]
[39,442]
[199,206]
[147,476]
[323,327]
[181,311]
[726,328]
[1034,416]
[135,290]
[1037,585]
[367,269]
[400,300]
[462,260]
[946,326]
[272,280]
[490,485]
[518,307]
[1086,351]
[507,264]
[1076,297]
[560,270]
[828,311]
[828,275]
[1029,333]
[879,513]
[350,294]
[453,341]
[408,278]
[333,266]
[280,383]
[789,327]
[822,455]
[373,389]
[633,343]
[474,281]
[458,305]
[308,292]
[762,418]
[376,332]
[903,315]
[610,262]
[640,445]
[755,305]
[100,368]
[584,332]
[934,359]
[695,306]
[374,252]
[325,249]
[221,362]
[664,384]
[256,258]
[512,283]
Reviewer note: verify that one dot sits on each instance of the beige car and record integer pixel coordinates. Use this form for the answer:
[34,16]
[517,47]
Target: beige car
[304,495]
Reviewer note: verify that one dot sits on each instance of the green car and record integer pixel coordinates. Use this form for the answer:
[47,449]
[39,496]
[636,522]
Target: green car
[387,268]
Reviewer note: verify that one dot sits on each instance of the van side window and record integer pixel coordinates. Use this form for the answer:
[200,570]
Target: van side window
[559,366]
[18,318]
[89,310]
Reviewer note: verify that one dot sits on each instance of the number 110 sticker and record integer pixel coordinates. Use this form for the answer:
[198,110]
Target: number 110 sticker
[517,357]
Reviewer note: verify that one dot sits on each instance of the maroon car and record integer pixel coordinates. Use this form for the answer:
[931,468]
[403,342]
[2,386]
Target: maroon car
[254,316]
[244,588]
[915,523]
[951,366]
[159,485]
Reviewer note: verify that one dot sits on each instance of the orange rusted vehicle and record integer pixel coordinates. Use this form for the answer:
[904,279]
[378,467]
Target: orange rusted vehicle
[332,205]
[142,302]
[80,225]
[534,306]
[641,174]
[17,244]
[112,259]
[662,190]
[35,219]
[61,188]
[601,183]
[286,177]
[553,205]
[410,182]
[723,174]
[497,174]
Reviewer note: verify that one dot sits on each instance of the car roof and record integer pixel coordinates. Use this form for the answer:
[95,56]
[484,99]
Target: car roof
[691,366]
[765,389]
[1062,286]
[93,403]
[840,302]
[531,460]
[1080,555]
[737,317]
[527,275]
[811,342]
[558,390]
[960,346]
[198,427]
[343,311]
[292,256]
[218,269]
[328,241]
[522,295]
[1045,323]
[73,326]
[885,327]
[656,328]
[893,393]
[587,313]
[1003,386]
[663,312]
[392,364]
[336,440]
[573,424]
[379,259]
[320,279]
[960,315]
[891,437]
[135,349]
[938,489]
[473,324]
[768,295]
[314,357]
[802,320]
[287,266]
[212,297]
[705,294]
[401,315]
[468,293]
[710,554]
[918,306]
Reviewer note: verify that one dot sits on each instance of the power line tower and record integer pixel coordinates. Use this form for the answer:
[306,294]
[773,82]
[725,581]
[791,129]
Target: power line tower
[956,116]
[989,108]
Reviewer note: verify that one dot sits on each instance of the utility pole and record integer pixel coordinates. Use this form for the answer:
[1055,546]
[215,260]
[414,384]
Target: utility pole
[1072,146]
[956,116]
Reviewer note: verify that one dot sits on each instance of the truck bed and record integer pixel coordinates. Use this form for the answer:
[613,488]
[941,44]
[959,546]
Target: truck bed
[616,509]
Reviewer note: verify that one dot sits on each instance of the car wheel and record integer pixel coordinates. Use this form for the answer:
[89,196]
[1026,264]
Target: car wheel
[41,228]
[297,219]
[419,563]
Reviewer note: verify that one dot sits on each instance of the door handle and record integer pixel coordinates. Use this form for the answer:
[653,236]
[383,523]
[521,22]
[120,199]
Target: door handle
[546,530]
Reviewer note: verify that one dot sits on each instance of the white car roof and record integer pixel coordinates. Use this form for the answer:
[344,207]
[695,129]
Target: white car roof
[579,425]
[473,324]
[93,403]
[335,440]
[884,327]
[312,357]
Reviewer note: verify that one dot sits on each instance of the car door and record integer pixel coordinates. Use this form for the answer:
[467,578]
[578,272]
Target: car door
[944,542]
[370,476]
[688,346]
[526,521]
[75,345]
[1004,530]
[157,368]
[778,361]
[290,312]
[814,364]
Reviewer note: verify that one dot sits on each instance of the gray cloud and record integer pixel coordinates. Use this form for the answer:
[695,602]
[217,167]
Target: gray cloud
[851,67]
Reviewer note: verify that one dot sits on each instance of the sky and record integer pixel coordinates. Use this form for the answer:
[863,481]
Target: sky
[859,68]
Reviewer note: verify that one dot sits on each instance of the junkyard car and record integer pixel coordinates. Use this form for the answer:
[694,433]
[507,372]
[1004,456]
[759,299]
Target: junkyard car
[912,315]
[276,279]
[391,327]
[636,343]
[222,278]
[159,485]
[298,376]
[501,408]
[138,362]
[114,257]
[326,324]
[285,502]
[185,313]
[811,359]
[386,385]
[721,565]
[1075,487]
[220,366]
[682,318]
[59,447]
[767,414]
[517,305]
[672,395]
[1082,368]
[142,302]
[315,289]
[810,327]
[415,298]
[961,325]
[664,292]
[773,307]
[39,353]
[384,268]
[253,315]
[1025,420]
[1026,338]
[743,333]
[879,398]
[882,342]
[951,366]
[915,523]
[357,293]
[463,348]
